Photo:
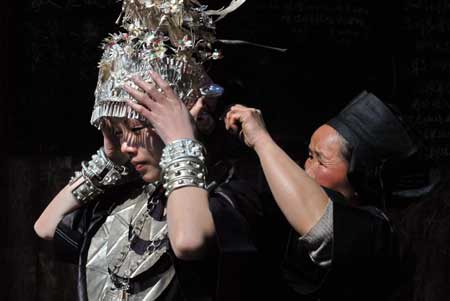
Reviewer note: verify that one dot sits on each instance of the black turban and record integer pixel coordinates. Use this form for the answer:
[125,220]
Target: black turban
[376,135]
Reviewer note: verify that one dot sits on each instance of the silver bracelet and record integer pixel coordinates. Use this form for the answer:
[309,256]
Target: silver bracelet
[183,165]
[184,182]
[99,173]
[182,148]
[85,191]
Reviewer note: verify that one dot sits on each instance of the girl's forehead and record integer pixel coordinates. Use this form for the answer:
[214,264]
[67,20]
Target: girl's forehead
[125,122]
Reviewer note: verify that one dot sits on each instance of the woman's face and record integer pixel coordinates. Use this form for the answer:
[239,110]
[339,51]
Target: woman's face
[325,163]
[141,144]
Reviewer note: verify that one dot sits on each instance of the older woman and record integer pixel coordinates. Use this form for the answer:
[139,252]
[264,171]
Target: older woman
[336,248]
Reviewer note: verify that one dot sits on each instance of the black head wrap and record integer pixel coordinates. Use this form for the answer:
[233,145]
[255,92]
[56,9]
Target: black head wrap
[376,135]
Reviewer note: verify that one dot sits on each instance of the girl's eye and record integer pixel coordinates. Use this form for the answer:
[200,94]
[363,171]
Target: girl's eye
[137,129]
[117,133]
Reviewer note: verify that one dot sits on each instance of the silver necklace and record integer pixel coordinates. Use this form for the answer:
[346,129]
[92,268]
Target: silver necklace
[122,283]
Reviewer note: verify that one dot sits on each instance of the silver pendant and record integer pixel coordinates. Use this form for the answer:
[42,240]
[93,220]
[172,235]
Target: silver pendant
[124,295]
[114,294]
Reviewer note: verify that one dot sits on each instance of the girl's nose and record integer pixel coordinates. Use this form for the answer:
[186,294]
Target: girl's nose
[128,149]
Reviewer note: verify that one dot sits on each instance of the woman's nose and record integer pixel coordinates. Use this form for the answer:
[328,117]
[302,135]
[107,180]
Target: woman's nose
[309,168]
[128,149]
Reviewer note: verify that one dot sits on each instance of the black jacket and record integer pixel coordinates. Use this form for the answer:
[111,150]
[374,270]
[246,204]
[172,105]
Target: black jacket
[235,210]
[365,261]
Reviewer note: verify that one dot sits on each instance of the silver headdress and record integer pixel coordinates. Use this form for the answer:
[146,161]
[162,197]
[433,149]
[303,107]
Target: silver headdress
[171,37]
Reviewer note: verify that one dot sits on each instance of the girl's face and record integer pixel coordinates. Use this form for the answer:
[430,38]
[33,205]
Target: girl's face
[141,144]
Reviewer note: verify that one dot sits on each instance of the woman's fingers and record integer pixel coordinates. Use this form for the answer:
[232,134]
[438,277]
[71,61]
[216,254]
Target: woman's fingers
[241,108]
[247,123]
[238,107]
[233,120]
[239,116]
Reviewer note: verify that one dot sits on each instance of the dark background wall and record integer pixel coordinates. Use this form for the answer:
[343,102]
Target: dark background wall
[400,50]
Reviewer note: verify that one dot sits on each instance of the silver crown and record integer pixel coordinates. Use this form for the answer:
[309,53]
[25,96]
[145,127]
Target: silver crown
[170,37]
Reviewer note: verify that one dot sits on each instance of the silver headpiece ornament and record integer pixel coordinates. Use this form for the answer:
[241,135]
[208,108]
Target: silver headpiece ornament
[171,37]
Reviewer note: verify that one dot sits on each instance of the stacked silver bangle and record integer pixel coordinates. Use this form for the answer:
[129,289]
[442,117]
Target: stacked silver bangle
[97,174]
[183,164]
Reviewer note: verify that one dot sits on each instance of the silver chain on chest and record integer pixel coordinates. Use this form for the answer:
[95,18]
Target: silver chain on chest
[135,233]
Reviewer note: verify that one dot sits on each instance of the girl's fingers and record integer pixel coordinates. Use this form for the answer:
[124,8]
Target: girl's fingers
[150,89]
[196,109]
[141,110]
[165,87]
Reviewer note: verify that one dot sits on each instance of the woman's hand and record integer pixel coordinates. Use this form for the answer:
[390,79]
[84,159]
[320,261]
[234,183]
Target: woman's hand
[111,144]
[249,123]
[162,108]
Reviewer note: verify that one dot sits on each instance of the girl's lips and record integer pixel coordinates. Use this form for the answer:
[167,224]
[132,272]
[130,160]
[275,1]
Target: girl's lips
[139,166]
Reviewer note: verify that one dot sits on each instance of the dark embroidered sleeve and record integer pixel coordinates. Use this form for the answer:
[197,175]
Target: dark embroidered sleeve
[236,213]
[69,235]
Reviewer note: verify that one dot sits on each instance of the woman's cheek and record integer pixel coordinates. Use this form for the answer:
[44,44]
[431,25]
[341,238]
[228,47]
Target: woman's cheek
[324,177]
